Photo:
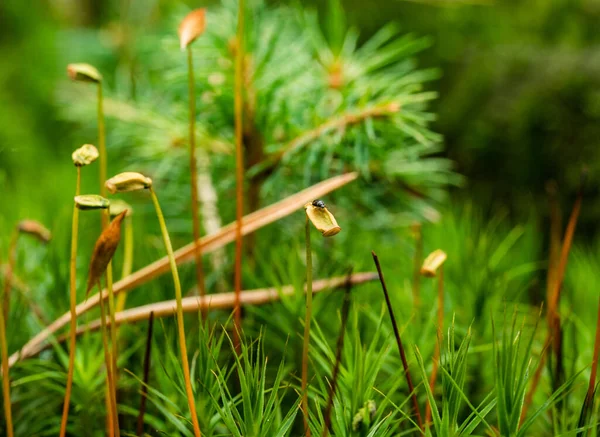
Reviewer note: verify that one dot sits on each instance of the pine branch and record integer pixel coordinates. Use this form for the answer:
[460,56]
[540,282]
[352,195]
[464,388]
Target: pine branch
[340,122]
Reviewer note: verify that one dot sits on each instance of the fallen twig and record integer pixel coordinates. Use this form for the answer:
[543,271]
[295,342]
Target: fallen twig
[211,302]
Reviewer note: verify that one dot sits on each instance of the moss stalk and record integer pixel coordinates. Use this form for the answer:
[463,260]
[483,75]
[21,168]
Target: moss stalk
[180,325]
[307,319]
[194,175]
[73,305]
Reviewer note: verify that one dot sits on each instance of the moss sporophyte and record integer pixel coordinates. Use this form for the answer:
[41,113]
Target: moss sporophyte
[190,28]
[321,218]
[433,266]
[238,110]
[81,157]
[317,214]
[81,72]
[104,250]
[85,155]
[133,181]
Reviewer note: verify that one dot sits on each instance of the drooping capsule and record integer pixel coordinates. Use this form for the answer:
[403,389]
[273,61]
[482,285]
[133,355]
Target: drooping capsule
[322,219]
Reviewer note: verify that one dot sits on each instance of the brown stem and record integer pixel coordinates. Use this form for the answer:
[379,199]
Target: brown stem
[409,383]
[210,243]
[338,354]
[239,166]
[140,420]
[112,412]
[194,176]
[553,336]
[110,429]
[562,265]
[113,339]
[437,351]
[554,324]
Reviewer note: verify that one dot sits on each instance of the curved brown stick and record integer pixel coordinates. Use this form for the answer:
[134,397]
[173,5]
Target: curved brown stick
[208,244]
[193,304]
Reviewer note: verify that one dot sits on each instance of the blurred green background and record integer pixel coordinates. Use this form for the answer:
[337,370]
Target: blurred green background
[519,92]
[518,108]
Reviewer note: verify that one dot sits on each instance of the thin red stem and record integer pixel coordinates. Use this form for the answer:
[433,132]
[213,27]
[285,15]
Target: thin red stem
[239,163]
[194,177]
[409,383]
[437,352]
[73,305]
[140,421]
